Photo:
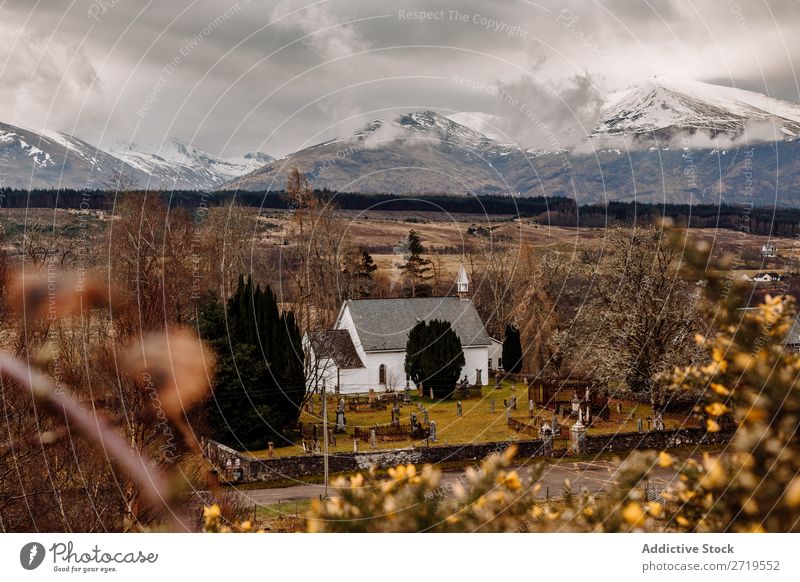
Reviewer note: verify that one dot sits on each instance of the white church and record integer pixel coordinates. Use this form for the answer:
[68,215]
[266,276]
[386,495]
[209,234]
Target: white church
[366,349]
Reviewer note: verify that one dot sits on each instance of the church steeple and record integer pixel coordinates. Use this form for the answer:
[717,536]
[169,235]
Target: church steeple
[462,283]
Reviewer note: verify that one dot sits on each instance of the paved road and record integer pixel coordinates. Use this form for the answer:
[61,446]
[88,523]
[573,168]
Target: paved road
[590,476]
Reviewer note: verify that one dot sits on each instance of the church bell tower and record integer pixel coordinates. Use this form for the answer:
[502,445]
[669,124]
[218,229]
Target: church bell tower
[462,283]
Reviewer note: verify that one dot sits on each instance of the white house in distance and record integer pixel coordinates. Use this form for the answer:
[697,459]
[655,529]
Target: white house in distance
[367,347]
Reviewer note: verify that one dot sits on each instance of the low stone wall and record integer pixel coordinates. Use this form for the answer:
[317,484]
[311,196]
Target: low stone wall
[249,469]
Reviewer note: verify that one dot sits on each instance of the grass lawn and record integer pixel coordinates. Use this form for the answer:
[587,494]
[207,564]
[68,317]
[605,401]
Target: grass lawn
[477,424]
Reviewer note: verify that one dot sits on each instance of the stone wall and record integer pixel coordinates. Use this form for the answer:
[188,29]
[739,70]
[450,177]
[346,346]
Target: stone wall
[310,465]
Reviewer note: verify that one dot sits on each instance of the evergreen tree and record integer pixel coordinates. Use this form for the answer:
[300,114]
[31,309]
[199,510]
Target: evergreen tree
[512,350]
[357,270]
[260,384]
[434,357]
[416,268]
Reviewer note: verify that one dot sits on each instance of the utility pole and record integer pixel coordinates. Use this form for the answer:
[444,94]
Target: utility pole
[325,435]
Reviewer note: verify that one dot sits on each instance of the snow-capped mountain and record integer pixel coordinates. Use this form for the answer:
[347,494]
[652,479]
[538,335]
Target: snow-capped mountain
[664,141]
[424,152]
[415,152]
[53,160]
[667,105]
[179,166]
[488,124]
[47,159]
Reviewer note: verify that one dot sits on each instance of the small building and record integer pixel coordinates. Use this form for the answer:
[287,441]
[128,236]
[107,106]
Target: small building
[767,277]
[769,251]
[367,347]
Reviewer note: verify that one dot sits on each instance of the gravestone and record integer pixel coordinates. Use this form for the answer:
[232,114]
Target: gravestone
[395,415]
[491,406]
[478,381]
[547,439]
[431,392]
[371,396]
[425,416]
[432,435]
[578,433]
[355,445]
[530,408]
[513,386]
[576,403]
[271,446]
[619,407]
[459,410]
[373,440]
[407,395]
[497,381]
[555,427]
[658,422]
[341,420]
[513,403]
[640,426]
[414,425]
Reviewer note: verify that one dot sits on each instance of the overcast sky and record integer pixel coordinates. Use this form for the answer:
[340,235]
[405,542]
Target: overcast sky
[276,76]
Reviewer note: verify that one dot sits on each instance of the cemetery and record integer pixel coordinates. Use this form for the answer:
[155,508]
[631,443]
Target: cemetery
[508,409]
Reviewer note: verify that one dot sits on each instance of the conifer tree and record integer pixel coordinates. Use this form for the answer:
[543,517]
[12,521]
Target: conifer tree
[260,384]
[512,350]
[416,268]
[434,357]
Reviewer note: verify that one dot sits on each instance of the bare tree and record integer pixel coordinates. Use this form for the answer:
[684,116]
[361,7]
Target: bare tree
[641,315]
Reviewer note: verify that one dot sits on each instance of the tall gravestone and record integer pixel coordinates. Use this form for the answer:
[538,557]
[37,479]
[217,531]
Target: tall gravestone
[547,439]
[578,433]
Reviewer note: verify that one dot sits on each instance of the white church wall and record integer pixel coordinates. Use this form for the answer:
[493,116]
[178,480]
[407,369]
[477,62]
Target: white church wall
[361,380]
[476,358]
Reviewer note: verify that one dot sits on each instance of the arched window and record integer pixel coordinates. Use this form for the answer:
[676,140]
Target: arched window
[382,374]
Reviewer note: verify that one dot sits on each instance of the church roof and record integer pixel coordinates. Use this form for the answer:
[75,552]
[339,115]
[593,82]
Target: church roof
[383,324]
[337,345]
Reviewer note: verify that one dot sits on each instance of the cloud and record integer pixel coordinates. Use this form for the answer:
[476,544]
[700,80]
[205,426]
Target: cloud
[218,95]
[330,36]
[549,116]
